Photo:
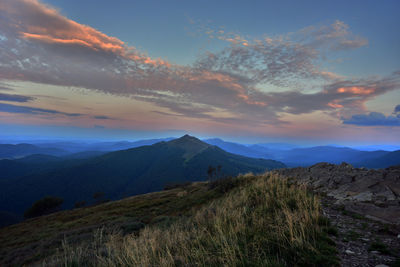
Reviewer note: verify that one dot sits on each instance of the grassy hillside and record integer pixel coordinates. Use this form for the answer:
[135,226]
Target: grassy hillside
[128,172]
[249,220]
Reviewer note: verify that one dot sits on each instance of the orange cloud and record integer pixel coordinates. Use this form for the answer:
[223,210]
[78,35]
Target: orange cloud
[334,104]
[46,24]
[356,90]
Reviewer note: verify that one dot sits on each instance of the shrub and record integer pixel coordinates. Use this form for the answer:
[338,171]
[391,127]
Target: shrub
[379,246]
[223,185]
[44,206]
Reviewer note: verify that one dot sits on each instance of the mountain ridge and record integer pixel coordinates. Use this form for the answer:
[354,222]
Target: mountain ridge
[128,172]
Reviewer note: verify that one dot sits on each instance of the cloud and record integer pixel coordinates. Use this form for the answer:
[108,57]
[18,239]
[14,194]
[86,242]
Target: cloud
[5,87]
[102,117]
[336,36]
[397,109]
[15,98]
[38,44]
[373,119]
[10,108]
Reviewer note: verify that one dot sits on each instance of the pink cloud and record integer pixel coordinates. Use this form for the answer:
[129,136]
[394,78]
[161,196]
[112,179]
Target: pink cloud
[356,90]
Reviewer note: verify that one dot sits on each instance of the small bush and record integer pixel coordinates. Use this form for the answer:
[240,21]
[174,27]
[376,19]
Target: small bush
[379,246]
[44,206]
[223,185]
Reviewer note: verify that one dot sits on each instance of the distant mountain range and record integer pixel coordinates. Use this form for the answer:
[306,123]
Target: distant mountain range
[289,154]
[118,174]
[8,151]
[293,156]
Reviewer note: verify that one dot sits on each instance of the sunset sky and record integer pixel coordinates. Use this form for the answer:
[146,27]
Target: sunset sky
[307,72]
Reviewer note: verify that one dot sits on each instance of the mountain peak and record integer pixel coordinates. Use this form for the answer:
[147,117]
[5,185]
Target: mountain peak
[190,144]
[188,138]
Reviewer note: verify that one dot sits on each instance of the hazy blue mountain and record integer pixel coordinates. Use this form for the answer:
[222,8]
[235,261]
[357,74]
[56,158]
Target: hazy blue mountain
[127,172]
[309,155]
[377,147]
[236,148]
[76,146]
[84,155]
[36,163]
[8,151]
[277,146]
[384,161]
[336,155]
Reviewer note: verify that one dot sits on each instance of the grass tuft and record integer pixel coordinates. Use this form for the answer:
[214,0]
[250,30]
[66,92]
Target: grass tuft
[265,221]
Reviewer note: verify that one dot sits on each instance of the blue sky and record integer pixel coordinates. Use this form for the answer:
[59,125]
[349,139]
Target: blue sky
[295,71]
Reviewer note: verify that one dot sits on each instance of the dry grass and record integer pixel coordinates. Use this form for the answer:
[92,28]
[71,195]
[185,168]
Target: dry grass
[265,221]
[33,240]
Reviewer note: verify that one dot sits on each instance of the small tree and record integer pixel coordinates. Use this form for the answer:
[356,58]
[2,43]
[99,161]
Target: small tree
[44,206]
[210,172]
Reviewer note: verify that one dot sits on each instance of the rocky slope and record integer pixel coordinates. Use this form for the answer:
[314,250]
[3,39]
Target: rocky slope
[372,193]
[363,208]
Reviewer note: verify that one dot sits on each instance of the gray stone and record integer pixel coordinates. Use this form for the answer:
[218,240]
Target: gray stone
[371,193]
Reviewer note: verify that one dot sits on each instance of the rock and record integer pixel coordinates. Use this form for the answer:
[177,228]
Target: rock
[363,196]
[365,239]
[398,236]
[349,252]
[374,194]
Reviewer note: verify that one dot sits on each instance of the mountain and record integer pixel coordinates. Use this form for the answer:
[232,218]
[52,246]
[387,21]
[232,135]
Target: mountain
[127,172]
[377,147]
[8,151]
[76,146]
[294,156]
[335,155]
[277,146]
[384,161]
[236,148]
[10,169]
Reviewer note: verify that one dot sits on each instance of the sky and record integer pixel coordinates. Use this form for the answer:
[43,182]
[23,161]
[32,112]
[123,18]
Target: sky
[305,72]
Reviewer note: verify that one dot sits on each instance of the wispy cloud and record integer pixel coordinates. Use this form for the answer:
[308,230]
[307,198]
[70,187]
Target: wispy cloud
[15,98]
[38,44]
[397,110]
[373,119]
[5,87]
[10,108]
[102,117]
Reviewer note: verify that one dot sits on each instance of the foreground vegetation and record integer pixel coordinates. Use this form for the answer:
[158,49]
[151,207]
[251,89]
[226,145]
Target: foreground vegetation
[258,221]
[35,239]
